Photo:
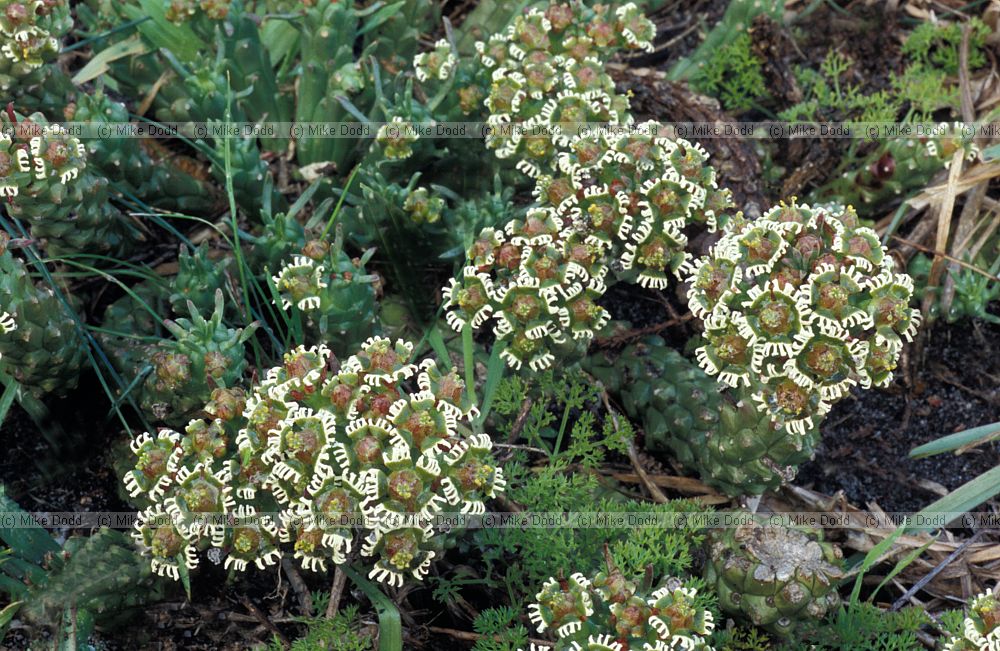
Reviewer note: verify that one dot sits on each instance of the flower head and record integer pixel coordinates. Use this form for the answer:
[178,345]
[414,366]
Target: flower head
[813,298]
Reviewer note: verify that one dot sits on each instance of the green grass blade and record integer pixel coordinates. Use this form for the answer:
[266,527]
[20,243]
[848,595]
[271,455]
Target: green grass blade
[951,442]
[436,340]
[494,373]
[469,358]
[900,566]
[964,498]
[7,399]
[390,628]
[871,558]
[6,615]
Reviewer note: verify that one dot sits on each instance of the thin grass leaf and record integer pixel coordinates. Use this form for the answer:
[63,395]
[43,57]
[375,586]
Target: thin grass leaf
[340,202]
[963,499]
[436,340]
[6,615]
[963,439]
[98,64]
[7,399]
[469,359]
[380,16]
[901,565]
[494,373]
[871,558]
[390,627]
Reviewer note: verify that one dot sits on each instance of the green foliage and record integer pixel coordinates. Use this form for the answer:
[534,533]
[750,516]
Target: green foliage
[973,291]
[862,627]
[67,588]
[342,632]
[827,95]
[926,90]
[500,629]
[952,621]
[739,638]
[563,404]
[936,45]
[739,15]
[734,74]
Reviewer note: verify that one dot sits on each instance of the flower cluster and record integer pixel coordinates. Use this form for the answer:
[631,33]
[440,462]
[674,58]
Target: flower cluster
[423,207]
[39,161]
[436,64]
[619,203]
[7,323]
[981,629]
[395,138]
[609,613]
[29,35]
[798,306]
[332,290]
[547,74]
[179,11]
[333,452]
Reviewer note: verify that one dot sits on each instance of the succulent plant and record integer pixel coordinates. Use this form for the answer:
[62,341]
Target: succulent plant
[39,343]
[799,306]
[724,438]
[981,628]
[203,355]
[29,37]
[197,280]
[611,613]
[619,203]
[775,576]
[316,442]
[69,587]
[141,168]
[44,175]
[894,170]
[423,207]
[331,290]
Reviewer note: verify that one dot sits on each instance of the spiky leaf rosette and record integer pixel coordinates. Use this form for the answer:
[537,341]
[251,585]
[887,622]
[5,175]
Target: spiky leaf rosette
[43,174]
[39,343]
[798,306]
[775,576]
[724,438]
[331,290]
[547,74]
[610,613]
[621,203]
[198,277]
[203,355]
[316,442]
[981,628]
[29,37]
